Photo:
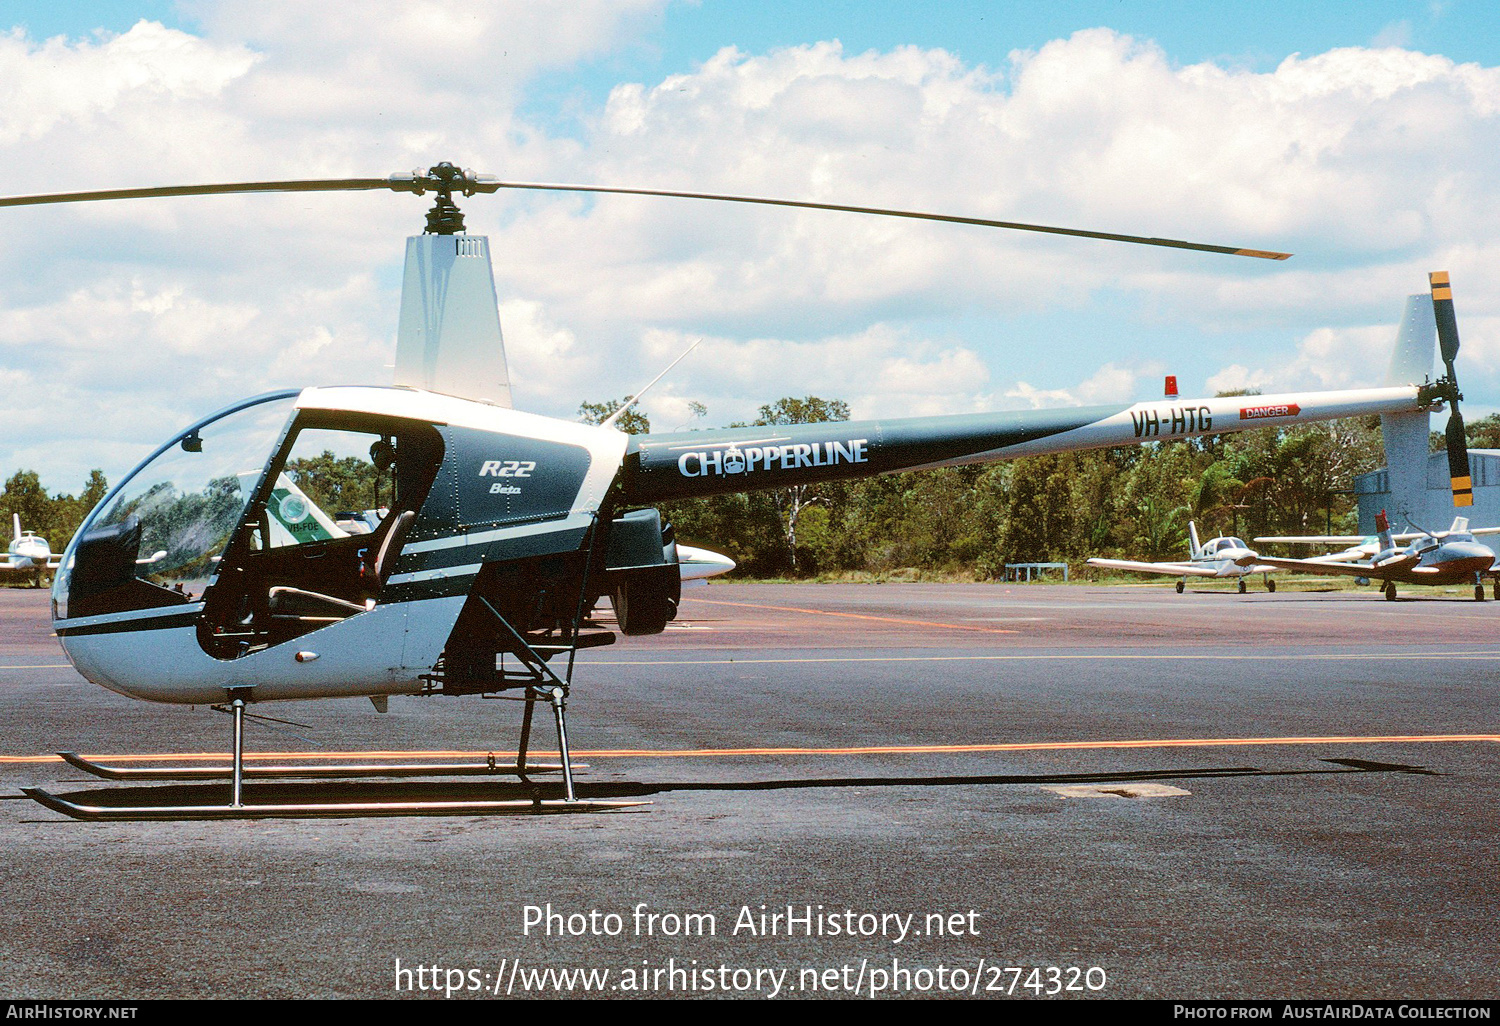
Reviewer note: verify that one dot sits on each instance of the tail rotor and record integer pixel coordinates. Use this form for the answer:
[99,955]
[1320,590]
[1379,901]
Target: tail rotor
[1446,389]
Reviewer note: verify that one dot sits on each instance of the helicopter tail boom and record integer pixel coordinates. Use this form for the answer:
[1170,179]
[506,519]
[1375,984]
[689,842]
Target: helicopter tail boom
[661,467]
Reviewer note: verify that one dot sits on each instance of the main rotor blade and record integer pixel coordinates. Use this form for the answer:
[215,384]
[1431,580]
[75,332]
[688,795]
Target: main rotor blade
[304,185]
[888,212]
[415,182]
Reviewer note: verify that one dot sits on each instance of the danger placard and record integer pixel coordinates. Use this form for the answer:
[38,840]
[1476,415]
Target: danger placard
[1262,412]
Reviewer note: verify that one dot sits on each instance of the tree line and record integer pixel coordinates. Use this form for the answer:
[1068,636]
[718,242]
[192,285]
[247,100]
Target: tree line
[54,517]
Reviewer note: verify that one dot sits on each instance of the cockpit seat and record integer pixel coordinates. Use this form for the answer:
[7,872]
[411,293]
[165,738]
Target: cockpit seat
[300,604]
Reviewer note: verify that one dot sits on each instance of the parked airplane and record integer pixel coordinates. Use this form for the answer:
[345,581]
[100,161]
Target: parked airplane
[1217,557]
[29,554]
[1419,557]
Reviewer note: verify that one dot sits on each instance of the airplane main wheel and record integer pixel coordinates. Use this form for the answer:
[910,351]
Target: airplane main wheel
[1271,587]
[1242,586]
[1390,591]
[1478,593]
[1497,589]
[1180,586]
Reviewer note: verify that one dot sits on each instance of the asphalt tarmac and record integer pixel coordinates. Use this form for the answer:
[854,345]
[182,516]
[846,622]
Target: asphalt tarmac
[1099,791]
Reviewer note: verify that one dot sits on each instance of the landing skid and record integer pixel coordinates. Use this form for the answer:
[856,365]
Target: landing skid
[237,772]
[329,810]
[330,772]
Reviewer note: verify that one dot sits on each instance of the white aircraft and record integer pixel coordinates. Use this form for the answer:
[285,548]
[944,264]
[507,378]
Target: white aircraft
[1416,557]
[29,553]
[1217,557]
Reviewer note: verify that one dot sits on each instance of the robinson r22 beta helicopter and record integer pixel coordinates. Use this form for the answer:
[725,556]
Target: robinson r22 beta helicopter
[209,574]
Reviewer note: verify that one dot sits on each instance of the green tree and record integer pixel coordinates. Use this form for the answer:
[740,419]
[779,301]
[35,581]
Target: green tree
[632,421]
[25,495]
[791,503]
[335,484]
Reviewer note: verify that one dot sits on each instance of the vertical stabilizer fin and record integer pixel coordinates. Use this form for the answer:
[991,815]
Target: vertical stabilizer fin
[448,339]
[1406,435]
[15,523]
[1383,532]
[1193,539]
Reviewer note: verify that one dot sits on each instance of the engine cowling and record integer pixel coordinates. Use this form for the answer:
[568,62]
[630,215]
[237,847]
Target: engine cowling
[645,584]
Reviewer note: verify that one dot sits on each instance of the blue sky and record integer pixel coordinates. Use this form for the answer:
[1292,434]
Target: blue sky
[1369,155]
[1251,33]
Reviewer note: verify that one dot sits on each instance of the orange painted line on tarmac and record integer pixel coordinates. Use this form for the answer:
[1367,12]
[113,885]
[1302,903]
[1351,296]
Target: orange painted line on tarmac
[857,616]
[689,753]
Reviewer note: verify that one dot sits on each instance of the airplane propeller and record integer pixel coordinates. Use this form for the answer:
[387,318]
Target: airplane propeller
[445,179]
[1446,388]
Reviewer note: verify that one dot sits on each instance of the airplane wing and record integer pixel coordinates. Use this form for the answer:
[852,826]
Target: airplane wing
[1316,539]
[1387,569]
[1356,554]
[1170,569]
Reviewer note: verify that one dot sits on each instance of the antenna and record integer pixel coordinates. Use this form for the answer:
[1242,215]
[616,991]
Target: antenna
[610,420]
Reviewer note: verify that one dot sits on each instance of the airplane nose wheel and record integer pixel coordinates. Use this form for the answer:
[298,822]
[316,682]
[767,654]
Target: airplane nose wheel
[1242,586]
[1180,586]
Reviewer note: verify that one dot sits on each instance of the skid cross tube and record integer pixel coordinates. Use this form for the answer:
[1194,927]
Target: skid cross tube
[556,695]
[237,778]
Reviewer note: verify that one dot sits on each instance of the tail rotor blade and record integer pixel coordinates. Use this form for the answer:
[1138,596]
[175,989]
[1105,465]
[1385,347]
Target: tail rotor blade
[1458,460]
[1454,435]
[1447,320]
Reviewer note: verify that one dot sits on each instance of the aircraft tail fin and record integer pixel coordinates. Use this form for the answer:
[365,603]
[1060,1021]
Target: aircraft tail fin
[1383,531]
[448,336]
[1193,538]
[1406,435]
[15,523]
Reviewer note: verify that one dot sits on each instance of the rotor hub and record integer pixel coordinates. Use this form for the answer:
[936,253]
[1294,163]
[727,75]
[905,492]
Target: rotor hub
[444,179]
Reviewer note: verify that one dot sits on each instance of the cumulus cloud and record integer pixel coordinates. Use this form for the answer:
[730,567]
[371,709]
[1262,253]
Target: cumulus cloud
[1373,164]
[1111,383]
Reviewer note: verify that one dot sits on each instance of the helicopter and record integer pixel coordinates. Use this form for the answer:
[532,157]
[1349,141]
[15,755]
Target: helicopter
[214,574]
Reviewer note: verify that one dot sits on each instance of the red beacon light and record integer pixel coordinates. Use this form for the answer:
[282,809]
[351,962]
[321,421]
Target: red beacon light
[1171,386]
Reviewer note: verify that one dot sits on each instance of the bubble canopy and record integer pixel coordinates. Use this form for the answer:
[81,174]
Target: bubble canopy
[156,538]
